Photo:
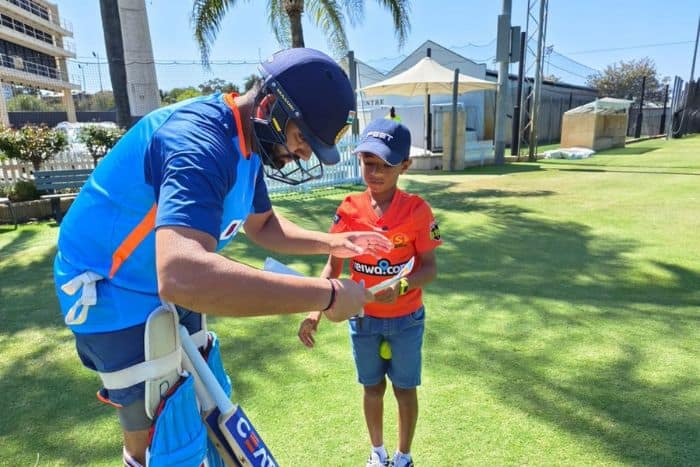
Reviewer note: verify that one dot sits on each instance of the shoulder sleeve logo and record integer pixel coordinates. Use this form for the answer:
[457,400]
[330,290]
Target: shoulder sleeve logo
[336,218]
[434,231]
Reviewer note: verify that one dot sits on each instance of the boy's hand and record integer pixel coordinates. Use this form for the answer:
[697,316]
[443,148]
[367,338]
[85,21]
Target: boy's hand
[350,244]
[308,328]
[388,295]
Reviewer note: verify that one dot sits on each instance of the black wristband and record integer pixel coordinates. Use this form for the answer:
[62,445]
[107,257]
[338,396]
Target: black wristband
[331,302]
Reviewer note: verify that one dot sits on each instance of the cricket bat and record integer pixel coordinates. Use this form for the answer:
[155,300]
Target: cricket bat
[228,427]
[403,272]
[272,265]
[385,284]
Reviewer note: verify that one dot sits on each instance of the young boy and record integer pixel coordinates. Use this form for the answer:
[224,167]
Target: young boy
[388,339]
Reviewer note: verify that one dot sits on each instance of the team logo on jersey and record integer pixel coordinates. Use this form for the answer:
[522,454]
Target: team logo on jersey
[434,231]
[399,240]
[231,229]
[382,268]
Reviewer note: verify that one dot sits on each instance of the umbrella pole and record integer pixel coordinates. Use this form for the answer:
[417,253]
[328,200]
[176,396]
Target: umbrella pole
[453,129]
[427,120]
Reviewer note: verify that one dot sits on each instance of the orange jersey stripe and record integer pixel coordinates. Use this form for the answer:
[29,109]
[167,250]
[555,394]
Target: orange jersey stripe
[133,240]
[228,98]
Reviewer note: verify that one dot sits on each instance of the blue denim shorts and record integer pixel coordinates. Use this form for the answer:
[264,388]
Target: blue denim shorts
[113,351]
[404,334]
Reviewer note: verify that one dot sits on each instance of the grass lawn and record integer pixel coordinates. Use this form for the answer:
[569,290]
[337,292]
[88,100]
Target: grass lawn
[563,329]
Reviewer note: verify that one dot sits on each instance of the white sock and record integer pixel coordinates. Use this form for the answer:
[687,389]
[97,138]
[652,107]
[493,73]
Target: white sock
[381,452]
[399,454]
[128,460]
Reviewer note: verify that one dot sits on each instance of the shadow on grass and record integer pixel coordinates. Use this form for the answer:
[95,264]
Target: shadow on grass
[43,402]
[26,286]
[535,260]
[606,405]
[516,255]
[506,169]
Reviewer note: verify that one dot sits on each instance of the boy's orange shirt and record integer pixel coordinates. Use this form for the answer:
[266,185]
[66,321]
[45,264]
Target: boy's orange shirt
[411,227]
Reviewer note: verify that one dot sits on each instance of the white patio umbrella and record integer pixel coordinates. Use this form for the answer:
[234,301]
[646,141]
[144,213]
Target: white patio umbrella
[424,78]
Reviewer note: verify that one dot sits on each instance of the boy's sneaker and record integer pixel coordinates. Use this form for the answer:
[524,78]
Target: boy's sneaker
[402,460]
[376,461]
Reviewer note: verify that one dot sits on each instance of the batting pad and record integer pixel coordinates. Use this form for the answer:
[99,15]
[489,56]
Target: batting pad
[179,437]
[161,338]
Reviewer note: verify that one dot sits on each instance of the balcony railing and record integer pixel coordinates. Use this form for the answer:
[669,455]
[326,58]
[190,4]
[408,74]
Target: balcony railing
[21,34]
[32,8]
[42,13]
[67,25]
[17,63]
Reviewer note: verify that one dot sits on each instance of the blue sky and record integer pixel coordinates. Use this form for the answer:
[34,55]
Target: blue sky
[581,30]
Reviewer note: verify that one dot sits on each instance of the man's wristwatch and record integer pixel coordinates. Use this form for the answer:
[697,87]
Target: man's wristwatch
[403,286]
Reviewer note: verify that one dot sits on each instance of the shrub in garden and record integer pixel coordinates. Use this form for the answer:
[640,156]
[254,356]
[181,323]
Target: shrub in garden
[32,143]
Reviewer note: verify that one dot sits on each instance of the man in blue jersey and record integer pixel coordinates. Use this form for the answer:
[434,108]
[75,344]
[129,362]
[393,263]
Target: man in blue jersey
[146,227]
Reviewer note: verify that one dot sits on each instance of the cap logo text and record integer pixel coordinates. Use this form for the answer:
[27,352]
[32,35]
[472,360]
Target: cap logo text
[380,135]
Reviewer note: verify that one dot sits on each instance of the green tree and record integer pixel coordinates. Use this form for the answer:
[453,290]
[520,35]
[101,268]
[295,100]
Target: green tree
[27,103]
[250,81]
[624,80]
[32,143]
[217,84]
[178,94]
[103,100]
[99,139]
[284,17]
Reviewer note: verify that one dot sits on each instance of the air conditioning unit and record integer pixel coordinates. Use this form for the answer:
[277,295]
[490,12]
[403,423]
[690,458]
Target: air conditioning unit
[18,62]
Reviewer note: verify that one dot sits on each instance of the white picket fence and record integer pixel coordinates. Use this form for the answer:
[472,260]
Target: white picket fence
[12,170]
[347,171]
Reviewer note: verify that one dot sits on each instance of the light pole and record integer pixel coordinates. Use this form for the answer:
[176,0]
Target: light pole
[82,72]
[99,72]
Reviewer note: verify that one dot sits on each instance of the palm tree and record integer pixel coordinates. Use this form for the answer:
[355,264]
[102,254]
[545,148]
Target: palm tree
[250,81]
[285,16]
[115,56]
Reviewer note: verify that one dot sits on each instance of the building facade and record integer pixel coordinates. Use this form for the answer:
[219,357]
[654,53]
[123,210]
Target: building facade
[479,108]
[33,51]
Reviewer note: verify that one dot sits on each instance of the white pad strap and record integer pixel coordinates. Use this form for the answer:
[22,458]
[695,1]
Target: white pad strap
[88,298]
[150,369]
[200,338]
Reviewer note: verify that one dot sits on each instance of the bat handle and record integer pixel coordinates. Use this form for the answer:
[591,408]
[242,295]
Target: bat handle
[205,374]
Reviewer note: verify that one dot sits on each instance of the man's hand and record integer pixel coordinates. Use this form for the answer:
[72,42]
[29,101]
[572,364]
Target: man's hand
[308,328]
[350,244]
[350,298]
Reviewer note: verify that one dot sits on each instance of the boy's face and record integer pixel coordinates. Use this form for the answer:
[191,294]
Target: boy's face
[378,175]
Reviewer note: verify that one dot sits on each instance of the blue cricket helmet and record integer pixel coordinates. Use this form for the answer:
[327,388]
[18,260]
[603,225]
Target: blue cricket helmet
[314,91]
